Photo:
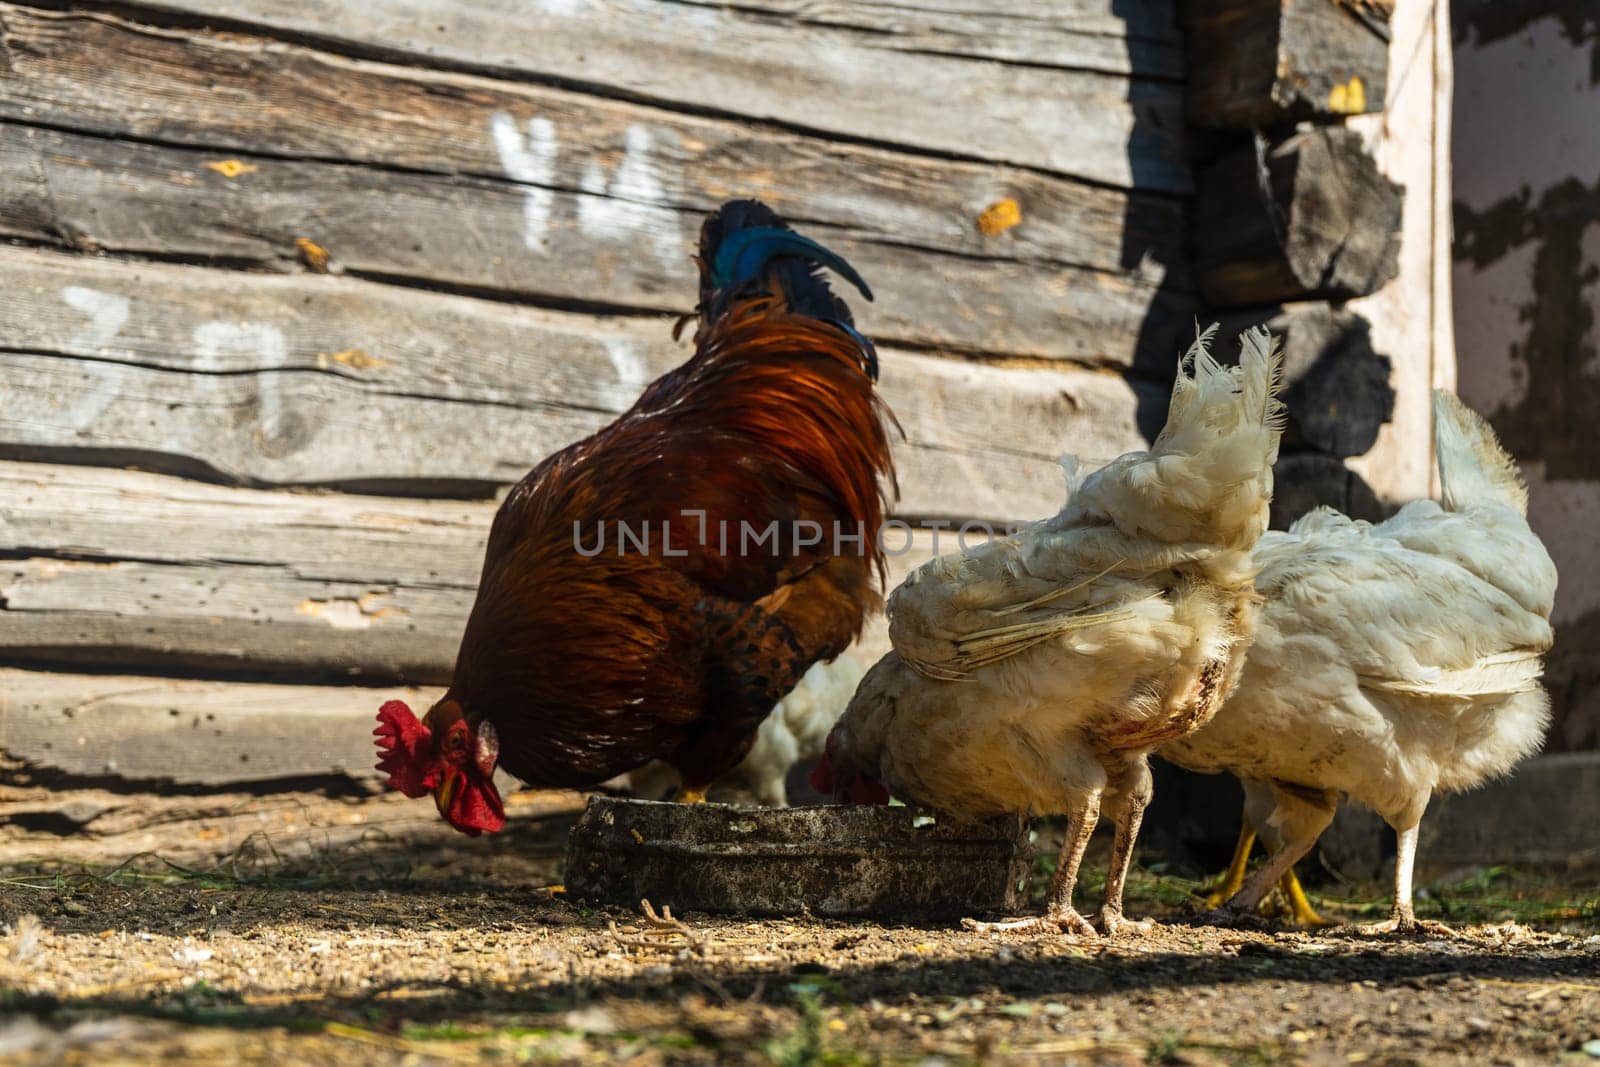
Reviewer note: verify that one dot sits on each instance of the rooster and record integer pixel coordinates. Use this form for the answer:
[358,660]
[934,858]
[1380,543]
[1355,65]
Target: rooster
[744,489]
[1035,673]
[1391,662]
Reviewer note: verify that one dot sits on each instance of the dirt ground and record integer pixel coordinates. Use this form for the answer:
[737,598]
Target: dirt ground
[454,950]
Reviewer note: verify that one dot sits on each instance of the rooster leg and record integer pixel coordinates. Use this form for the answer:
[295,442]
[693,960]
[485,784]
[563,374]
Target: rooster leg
[1233,877]
[1059,914]
[1126,814]
[687,795]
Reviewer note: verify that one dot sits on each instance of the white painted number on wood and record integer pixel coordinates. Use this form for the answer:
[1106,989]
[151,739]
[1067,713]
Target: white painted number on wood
[107,312]
[630,367]
[624,210]
[530,161]
[214,341]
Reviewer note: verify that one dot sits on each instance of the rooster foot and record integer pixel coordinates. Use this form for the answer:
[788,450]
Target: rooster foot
[1058,920]
[1116,924]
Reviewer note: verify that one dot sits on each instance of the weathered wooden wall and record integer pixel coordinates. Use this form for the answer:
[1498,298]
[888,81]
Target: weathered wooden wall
[507,194]
[1527,223]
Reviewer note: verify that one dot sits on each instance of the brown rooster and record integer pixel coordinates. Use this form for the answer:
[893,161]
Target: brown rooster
[652,591]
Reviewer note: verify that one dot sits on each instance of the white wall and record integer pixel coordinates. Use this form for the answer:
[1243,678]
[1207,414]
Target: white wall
[1527,292]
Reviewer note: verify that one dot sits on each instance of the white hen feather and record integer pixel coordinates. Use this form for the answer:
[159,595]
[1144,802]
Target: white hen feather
[1035,672]
[1391,661]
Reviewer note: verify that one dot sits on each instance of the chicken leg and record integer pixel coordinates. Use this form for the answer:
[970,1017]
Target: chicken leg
[1230,881]
[1300,909]
[1301,912]
[1059,914]
[1296,817]
[1403,920]
[1126,814]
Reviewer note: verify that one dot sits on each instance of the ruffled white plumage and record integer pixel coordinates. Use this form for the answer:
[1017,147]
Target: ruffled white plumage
[1033,673]
[1392,660]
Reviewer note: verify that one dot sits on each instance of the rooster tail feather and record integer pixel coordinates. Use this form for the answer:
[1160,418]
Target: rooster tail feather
[747,250]
[743,254]
[1473,468]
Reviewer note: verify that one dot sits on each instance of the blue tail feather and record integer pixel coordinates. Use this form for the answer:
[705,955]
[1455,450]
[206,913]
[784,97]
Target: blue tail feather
[744,253]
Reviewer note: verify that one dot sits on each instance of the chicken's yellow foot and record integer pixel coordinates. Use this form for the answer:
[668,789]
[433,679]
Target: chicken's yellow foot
[691,796]
[1233,877]
[1299,907]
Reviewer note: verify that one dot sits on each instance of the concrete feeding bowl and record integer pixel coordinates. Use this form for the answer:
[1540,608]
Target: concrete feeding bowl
[833,861]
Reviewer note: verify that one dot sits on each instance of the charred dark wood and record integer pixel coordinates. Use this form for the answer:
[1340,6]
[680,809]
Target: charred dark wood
[1303,481]
[1308,217]
[1335,385]
[1262,63]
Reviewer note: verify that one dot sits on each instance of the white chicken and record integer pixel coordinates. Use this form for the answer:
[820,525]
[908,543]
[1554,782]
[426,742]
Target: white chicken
[795,731]
[1391,662]
[1035,673]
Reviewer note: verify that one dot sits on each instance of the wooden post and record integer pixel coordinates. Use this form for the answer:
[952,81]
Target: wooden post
[1307,217]
[1257,64]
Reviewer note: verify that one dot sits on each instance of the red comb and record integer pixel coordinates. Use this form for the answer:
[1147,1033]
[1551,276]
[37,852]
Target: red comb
[402,745]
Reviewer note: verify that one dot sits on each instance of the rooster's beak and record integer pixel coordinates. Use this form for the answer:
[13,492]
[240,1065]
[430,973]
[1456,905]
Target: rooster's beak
[446,793]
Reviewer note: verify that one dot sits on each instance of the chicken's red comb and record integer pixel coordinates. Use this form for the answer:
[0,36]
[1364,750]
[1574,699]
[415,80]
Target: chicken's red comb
[402,746]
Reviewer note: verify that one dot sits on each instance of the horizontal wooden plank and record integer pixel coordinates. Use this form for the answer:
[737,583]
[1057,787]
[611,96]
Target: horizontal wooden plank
[320,380]
[826,76]
[535,244]
[126,569]
[222,617]
[1072,34]
[192,733]
[102,515]
[102,74]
